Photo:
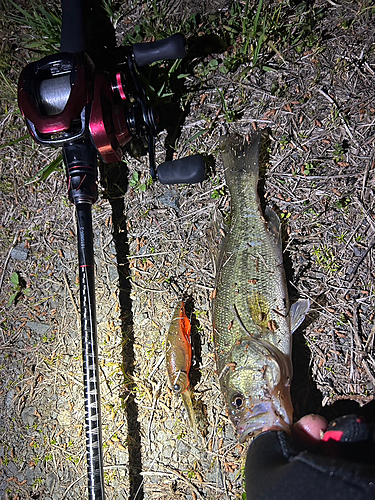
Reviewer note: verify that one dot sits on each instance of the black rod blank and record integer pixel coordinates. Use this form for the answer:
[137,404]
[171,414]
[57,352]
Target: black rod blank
[90,352]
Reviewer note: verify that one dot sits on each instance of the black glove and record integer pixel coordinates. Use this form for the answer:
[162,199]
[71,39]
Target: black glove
[342,467]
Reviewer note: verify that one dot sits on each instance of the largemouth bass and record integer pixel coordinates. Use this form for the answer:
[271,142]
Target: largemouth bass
[252,319]
[178,357]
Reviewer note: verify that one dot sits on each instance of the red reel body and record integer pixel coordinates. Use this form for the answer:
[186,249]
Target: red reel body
[108,124]
[60,96]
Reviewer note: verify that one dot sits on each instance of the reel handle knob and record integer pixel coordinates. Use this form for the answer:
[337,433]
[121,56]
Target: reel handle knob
[173,47]
[189,170]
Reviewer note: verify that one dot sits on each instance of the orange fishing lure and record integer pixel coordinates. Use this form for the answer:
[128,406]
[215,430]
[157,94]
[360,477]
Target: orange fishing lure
[178,350]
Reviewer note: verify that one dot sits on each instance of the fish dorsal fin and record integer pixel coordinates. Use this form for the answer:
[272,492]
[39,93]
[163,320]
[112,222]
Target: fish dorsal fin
[273,224]
[298,313]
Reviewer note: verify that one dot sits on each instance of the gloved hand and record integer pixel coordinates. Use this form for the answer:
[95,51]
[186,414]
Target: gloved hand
[319,462]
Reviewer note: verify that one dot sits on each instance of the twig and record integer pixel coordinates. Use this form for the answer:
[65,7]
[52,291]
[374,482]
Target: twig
[370,339]
[351,375]
[153,410]
[189,483]
[368,214]
[311,177]
[369,248]
[71,486]
[365,177]
[334,344]
[7,258]
[71,296]
[329,98]
[368,371]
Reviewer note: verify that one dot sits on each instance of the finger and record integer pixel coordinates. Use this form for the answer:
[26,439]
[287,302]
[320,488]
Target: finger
[310,428]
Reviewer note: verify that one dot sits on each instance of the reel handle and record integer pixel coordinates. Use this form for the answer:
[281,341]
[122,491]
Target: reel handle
[173,47]
[188,170]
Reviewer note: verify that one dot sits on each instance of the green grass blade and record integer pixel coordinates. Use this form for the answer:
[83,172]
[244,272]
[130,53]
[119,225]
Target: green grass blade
[46,171]
[256,19]
[14,141]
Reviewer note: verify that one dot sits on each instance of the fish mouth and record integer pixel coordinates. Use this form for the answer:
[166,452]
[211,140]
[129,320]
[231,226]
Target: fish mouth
[262,418]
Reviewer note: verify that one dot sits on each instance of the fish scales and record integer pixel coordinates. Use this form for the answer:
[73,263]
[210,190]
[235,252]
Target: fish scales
[252,332]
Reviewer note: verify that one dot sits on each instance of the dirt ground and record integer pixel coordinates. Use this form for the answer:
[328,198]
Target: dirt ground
[154,243]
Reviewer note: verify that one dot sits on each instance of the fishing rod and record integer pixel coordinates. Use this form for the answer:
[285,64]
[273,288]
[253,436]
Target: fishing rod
[91,114]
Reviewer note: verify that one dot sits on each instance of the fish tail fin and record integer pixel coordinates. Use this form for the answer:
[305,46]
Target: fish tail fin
[241,157]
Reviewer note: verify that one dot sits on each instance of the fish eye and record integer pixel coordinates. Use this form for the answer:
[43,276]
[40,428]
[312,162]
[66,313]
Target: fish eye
[238,401]
[176,387]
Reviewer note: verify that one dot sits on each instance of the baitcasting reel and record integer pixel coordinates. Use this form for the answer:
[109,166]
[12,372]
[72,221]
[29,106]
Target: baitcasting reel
[65,100]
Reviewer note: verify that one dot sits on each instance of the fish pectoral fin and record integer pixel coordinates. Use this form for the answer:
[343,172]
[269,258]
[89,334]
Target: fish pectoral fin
[283,361]
[273,372]
[273,351]
[298,313]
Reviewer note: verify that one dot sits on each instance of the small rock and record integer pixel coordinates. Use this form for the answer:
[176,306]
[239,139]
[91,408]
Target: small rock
[169,424]
[113,273]
[167,451]
[9,398]
[143,250]
[12,470]
[19,252]
[39,328]
[50,482]
[162,436]
[183,448]
[30,475]
[170,199]
[28,415]
[359,252]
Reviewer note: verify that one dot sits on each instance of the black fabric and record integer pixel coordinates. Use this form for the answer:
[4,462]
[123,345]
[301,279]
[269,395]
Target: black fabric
[276,470]
[352,427]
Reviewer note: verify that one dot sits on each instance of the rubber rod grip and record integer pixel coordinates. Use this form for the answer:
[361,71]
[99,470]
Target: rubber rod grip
[173,47]
[73,37]
[189,170]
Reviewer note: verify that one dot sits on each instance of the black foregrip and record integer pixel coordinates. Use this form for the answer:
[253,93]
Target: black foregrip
[189,170]
[173,47]
[73,37]
[80,159]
